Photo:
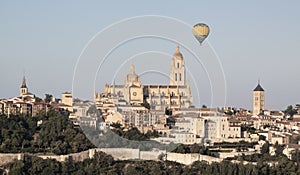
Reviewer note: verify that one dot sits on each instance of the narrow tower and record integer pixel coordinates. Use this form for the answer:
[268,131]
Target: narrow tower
[177,71]
[258,99]
[132,78]
[23,89]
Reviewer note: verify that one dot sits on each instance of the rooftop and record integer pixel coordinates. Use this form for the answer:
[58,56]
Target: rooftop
[258,88]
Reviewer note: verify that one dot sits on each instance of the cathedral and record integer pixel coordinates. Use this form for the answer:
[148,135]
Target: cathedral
[176,95]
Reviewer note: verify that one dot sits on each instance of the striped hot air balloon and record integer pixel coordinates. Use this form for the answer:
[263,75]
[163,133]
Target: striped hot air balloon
[200,31]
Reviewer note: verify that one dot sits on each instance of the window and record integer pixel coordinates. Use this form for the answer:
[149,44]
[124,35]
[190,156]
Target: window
[175,76]
[180,77]
[178,65]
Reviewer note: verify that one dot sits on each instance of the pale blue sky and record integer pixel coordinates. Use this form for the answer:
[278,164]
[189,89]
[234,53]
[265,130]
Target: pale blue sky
[253,40]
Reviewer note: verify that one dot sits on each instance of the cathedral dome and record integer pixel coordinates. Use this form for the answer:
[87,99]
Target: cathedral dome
[178,54]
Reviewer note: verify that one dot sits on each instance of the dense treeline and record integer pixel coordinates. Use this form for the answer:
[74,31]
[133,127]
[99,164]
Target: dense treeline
[120,138]
[104,164]
[134,134]
[194,148]
[16,133]
[55,135]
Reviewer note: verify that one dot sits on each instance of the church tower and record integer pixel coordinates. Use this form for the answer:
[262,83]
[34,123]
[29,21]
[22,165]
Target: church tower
[177,71]
[132,78]
[133,91]
[23,89]
[258,99]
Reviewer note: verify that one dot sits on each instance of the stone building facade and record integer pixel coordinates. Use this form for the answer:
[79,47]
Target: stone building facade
[176,95]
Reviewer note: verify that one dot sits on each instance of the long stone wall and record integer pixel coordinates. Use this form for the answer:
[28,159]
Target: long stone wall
[188,159]
[122,153]
[132,154]
[232,154]
[117,154]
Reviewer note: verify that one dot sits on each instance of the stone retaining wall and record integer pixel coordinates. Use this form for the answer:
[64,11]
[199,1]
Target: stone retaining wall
[188,159]
[117,154]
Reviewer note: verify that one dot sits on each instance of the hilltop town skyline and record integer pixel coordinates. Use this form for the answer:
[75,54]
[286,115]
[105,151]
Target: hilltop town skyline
[132,70]
[112,90]
[149,87]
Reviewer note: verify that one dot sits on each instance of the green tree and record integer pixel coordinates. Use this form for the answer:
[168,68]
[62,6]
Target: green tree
[262,137]
[195,148]
[290,111]
[265,148]
[180,149]
[38,99]
[296,157]
[48,98]
[278,149]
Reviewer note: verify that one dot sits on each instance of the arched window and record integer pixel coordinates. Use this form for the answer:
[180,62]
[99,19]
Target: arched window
[178,65]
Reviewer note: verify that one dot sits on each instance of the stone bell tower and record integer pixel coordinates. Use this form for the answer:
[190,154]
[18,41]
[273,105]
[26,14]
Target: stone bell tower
[177,71]
[258,99]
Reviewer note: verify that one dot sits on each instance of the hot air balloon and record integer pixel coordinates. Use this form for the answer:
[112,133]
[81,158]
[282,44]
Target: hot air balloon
[200,31]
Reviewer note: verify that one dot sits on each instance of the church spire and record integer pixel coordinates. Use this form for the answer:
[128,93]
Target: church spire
[178,55]
[132,71]
[24,83]
[177,48]
[23,89]
[258,87]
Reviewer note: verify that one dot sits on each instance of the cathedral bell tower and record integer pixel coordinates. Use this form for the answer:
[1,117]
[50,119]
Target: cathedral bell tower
[258,100]
[177,71]
[23,89]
